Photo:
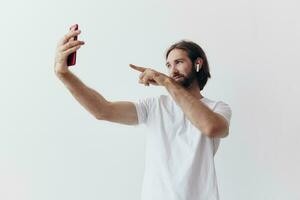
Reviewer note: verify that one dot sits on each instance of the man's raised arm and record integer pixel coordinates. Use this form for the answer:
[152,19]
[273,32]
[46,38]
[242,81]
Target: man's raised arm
[123,112]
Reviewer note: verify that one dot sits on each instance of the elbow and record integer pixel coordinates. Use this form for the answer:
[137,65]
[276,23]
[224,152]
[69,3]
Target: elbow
[210,133]
[103,113]
[100,117]
[216,132]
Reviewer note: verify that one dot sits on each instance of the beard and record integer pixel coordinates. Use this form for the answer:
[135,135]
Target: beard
[186,81]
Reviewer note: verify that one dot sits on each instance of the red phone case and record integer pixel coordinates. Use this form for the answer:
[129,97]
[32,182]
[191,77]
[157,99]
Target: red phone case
[72,57]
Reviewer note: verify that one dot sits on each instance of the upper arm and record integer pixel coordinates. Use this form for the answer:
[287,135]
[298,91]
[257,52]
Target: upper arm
[123,112]
[223,114]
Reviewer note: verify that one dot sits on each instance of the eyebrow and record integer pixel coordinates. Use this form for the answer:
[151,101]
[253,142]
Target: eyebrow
[175,60]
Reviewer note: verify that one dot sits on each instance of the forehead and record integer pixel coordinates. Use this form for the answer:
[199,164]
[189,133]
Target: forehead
[177,54]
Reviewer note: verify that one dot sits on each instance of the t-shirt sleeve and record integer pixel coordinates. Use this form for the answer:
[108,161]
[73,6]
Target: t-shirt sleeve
[143,108]
[223,109]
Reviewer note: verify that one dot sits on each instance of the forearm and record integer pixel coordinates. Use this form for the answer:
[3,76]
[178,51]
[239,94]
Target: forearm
[91,100]
[196,111]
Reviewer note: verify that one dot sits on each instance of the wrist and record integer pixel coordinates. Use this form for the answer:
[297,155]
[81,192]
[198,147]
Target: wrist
[61,72]
[167,81]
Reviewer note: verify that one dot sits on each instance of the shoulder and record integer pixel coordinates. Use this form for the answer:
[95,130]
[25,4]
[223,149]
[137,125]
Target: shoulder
[216,104]
[222,105]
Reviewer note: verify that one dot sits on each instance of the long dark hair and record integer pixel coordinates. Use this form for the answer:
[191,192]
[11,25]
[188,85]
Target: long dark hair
[194,51]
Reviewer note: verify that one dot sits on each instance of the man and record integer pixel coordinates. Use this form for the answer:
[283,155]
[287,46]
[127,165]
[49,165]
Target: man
[185,126]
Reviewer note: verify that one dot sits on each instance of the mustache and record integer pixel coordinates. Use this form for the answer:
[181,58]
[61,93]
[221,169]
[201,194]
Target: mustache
[177,76]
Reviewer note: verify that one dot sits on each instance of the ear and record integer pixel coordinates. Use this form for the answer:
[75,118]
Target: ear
[199,61]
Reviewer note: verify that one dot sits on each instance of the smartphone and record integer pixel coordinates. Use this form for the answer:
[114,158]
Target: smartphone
[71,60]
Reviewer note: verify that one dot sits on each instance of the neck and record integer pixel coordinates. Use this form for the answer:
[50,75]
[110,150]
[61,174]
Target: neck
[195,90]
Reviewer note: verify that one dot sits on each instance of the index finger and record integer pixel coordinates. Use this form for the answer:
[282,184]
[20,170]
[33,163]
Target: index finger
[69,35]
[141,69]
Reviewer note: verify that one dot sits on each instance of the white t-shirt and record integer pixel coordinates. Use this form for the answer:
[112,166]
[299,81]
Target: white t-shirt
[179,163]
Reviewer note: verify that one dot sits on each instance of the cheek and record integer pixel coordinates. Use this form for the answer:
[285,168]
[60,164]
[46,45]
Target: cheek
[184,69]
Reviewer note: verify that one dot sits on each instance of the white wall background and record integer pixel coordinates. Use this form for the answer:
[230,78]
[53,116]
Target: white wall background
[52,148]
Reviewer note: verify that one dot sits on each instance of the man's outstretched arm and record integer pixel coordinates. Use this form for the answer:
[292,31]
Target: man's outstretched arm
[120,112]
[123,112]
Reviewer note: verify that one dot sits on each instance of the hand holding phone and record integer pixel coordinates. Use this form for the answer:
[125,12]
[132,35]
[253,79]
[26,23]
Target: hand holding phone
[66,46]
[71,60]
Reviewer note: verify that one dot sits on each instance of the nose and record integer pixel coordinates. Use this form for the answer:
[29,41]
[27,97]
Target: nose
[173,70]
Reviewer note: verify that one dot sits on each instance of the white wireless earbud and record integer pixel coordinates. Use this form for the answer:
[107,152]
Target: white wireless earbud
[197,67]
